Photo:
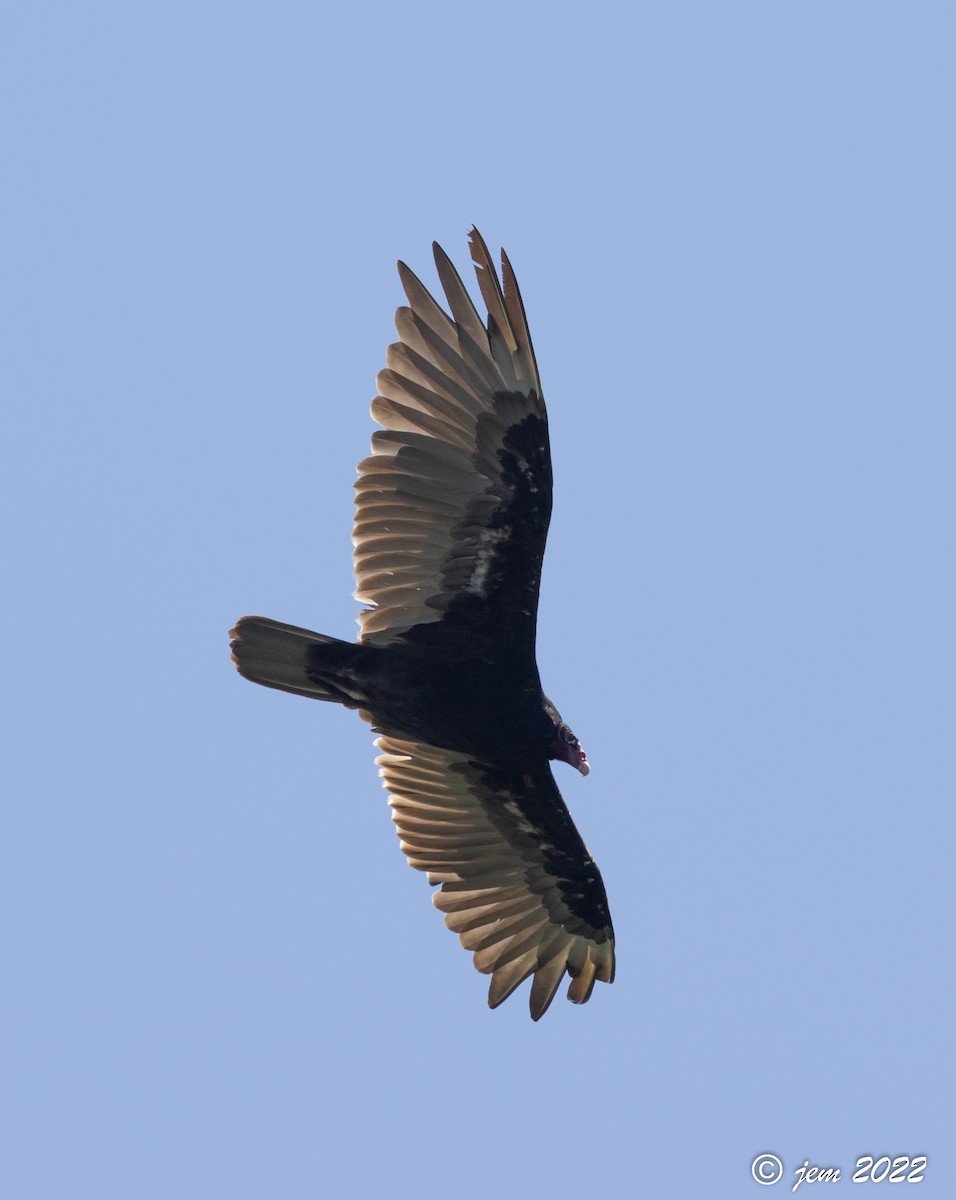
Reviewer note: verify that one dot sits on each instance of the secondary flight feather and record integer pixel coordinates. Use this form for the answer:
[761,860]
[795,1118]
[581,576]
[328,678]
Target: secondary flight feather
[452,514]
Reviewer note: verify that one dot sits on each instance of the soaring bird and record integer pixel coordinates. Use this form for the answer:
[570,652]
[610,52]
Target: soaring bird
[452,514]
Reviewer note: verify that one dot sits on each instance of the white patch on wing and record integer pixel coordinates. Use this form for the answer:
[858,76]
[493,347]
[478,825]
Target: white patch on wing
[522,821]
[488,542]
[526,470]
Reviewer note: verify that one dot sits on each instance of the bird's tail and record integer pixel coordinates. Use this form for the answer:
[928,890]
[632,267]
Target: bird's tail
[296,660]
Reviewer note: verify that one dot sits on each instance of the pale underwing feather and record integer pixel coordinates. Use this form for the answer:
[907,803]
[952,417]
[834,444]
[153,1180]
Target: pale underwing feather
[430,469]
[495,888]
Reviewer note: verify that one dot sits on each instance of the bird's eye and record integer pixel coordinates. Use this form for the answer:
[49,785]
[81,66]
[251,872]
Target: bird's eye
[567,735]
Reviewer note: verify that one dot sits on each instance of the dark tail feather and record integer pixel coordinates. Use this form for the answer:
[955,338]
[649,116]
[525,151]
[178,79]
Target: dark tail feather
[294,660]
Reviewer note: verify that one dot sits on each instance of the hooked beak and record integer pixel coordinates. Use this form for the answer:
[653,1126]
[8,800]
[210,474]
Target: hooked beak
[575,757]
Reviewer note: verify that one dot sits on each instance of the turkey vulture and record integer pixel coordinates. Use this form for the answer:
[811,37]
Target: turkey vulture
[452,515]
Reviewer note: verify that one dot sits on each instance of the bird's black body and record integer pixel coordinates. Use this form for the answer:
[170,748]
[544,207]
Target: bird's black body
[452,518]
[467,703]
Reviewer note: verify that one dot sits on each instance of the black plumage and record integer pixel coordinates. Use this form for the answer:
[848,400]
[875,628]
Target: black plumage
[452,515]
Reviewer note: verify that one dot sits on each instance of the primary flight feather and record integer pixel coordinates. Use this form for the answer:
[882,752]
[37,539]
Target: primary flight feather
[452,514]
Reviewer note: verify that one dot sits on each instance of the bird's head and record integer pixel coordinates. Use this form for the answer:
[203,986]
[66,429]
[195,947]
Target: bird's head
[565,744]
[570,750]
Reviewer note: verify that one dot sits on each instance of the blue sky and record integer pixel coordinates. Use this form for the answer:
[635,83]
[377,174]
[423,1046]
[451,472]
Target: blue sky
[733,228]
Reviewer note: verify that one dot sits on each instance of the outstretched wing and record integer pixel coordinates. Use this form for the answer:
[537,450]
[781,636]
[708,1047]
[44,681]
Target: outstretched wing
[518,885]
[453,506]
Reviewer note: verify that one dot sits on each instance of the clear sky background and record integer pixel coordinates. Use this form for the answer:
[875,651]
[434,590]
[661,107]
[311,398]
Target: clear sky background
[733,224]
